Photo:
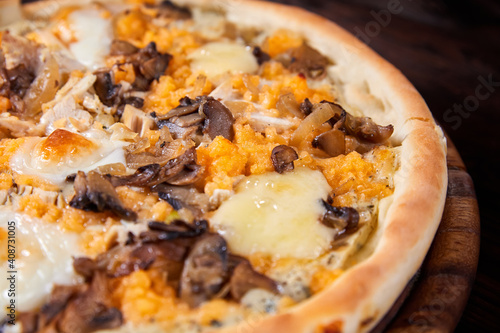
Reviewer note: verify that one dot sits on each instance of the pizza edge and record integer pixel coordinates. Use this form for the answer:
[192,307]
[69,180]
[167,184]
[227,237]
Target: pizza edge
[359,299]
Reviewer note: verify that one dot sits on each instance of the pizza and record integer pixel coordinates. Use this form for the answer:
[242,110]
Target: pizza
[197,166]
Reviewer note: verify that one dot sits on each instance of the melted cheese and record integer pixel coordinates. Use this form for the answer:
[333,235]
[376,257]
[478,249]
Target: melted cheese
[63,153]
[218,58]
[43,258]
[94,36]
[277,215]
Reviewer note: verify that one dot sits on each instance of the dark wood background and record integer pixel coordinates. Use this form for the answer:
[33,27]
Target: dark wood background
[447,48]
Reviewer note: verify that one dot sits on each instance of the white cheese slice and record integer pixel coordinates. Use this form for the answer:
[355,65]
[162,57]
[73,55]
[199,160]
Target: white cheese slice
[31,160]
[43,258]
[278,215]
[218,58]
[94,34]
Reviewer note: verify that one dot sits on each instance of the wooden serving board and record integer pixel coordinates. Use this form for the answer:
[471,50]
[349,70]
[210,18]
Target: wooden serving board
[436,297]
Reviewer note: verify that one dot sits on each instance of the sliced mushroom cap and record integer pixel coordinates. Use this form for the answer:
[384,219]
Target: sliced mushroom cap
[142,177]
[205,270]
[181,170]
[245,278]
[260,55]
[95,193]
[219,120]
[186,106]
[307,60]
[155,67]
[363,128]
[168,9]
[306,107]
[121,47]
[176,229]
[75,309]
[183,197]
[91,310]
[106,89]
[366,129]
[282,157]
[331,142]
[342,219]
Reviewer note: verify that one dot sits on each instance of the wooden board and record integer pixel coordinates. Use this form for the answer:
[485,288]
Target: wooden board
[436,297]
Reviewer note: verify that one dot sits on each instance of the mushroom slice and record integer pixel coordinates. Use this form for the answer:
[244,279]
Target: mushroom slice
[142,177]
[91,310]
[363,128]
[75,309]
[342,219]
[181,170]
[106,89]
[366,129]
[160,231]
[190,174]
[192,119]
[183,197]
[205,270]
[245,278]
[306,107]
[168,9]
[219,120]
[121,47]
[260,55]
[186,106]
[95,193]
[307,60]
[282,157]
[331,142]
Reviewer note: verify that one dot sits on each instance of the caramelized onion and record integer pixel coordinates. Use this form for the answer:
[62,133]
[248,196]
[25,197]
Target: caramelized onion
[321,114]
[43,89]
[287,104]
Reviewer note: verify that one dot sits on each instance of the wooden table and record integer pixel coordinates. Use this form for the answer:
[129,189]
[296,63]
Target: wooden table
[449,50]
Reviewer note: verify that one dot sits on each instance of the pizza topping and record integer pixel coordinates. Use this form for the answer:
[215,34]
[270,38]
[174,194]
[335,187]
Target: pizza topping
[216,58]
[282,157]
[121,47]
[105,88]
[306,107]
[266,207]
[331,142]
[184,120]
[180,197]
[260,55]
[287,104]
[26,79]
[95,193]
[342,219]
[306,60]
[79,309]
[148,65]
[245,278]
[219,120]
[205,270]
[169,10]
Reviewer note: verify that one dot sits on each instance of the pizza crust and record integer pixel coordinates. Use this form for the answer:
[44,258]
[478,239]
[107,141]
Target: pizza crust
[361,296]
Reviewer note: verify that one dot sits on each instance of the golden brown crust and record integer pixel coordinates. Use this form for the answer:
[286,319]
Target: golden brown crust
[406,228]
